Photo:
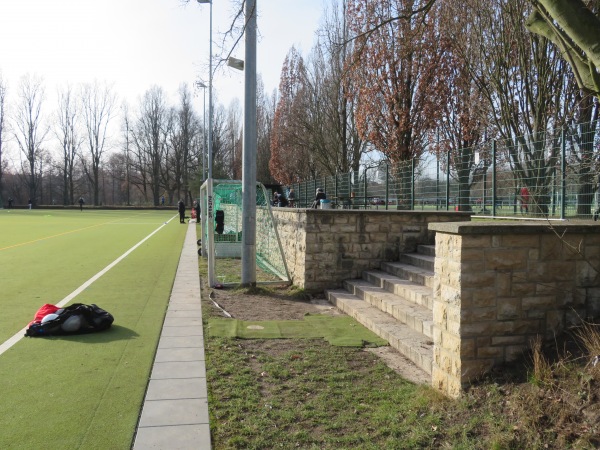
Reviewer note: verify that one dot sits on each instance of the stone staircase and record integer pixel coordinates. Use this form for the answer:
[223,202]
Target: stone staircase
[396,303]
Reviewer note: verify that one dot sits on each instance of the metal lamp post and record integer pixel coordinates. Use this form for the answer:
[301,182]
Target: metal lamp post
[249,151]
[210,212]
[203,86]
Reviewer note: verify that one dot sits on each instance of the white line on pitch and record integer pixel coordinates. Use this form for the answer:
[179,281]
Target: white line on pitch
[17,337]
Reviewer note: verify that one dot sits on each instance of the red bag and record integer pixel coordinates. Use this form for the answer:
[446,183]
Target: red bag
[43,312]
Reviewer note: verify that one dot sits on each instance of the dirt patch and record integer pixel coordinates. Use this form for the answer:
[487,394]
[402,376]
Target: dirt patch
[276,303]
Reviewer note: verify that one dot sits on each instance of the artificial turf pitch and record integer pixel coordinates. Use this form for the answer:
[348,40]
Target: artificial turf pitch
[83,391]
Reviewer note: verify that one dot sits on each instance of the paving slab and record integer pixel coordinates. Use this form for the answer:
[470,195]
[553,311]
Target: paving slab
[169,389]
[179,354]
[180,341]
[182,321]
[179,331]
[178,437]
[175,411]
[186,411]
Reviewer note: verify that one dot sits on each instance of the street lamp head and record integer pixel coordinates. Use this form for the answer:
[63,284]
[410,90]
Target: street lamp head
[235,63]
[204,1]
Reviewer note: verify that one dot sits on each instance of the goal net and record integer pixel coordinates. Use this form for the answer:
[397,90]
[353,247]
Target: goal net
[226,226]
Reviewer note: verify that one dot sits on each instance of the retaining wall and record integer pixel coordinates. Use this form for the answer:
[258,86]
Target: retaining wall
[324,247]
[499,285]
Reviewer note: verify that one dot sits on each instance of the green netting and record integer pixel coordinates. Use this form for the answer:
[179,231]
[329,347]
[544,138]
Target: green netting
[227,197]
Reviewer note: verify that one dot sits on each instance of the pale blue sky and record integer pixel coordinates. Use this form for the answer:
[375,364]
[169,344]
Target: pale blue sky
[137,43]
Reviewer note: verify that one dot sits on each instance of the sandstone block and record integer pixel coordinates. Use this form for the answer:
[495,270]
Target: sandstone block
[505,259]
[508,340]
[508,308]
[538,302]
[479,314]
[476,241]
[491,352]
[519,241]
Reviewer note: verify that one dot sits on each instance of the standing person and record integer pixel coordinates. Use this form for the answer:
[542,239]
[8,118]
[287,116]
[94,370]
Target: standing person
[282,202]
[524,199]
[197,207]
[30,203]
[81,202]
[10,202]
[162,201]
[292,198]
[319,195]
[181,209]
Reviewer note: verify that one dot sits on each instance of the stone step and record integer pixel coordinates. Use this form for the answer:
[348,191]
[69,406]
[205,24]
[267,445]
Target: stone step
[428,250]
[412,291]
[416,317]
[409,272]
[415,346]
[423,261]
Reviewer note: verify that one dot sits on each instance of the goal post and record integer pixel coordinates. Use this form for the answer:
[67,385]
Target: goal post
[222,231]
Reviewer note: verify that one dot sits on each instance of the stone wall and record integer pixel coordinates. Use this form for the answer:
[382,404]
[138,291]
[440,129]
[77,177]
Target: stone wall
[325,247]
[499,285]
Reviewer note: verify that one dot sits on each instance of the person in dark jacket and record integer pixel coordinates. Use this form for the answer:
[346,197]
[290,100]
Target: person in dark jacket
[320,195]
[197,207]
[181,209]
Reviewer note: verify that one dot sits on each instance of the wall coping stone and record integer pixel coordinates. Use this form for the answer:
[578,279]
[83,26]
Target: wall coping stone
[425,213]
[520,227]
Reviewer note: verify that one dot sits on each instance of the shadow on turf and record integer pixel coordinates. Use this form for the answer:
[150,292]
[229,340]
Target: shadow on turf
[114,333]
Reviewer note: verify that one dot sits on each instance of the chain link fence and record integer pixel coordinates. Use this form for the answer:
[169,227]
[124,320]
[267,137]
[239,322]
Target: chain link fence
[550,175]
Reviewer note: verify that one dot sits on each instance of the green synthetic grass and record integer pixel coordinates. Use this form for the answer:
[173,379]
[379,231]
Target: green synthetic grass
[81,391]
[341,331]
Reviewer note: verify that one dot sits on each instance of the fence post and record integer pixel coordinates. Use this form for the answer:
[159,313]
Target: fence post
[563,182]
[437,179]
[335,187]
[494,177]
[412,184]
[365,197]
[305,191]
[448,180]
[387,185]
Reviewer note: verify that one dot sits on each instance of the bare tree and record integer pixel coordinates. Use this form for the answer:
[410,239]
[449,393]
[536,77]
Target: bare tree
[264,118]
[461,126]
[574,27]
[149,137]
[67,134]
[522,78]
[30,131]
[291,159]
[181,160]
[98,104]
[341,147]
[219,146]
[315,115]
[583,160]
[3,93]
[232,155]
[126,154]
[395,79]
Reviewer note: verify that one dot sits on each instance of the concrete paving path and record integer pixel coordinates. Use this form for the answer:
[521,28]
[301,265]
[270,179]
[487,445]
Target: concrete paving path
[175,411]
